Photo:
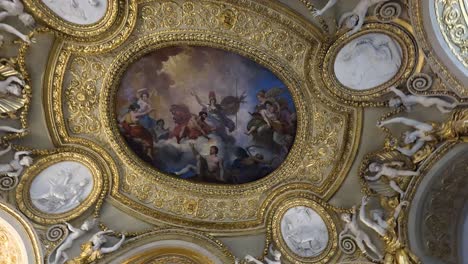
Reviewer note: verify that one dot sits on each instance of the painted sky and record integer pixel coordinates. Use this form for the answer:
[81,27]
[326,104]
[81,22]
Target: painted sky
[170,74]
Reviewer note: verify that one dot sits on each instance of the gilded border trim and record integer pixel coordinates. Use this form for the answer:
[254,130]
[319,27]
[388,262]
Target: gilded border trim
[416,15]
[29,230]
[44,13]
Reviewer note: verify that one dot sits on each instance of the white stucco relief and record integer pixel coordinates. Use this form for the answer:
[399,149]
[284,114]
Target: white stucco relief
[368,61]
[82,12]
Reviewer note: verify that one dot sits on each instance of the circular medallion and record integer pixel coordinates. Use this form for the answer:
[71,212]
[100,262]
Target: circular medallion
[360,68]
[61,187]
[205,114]
[304,231]
[368,61]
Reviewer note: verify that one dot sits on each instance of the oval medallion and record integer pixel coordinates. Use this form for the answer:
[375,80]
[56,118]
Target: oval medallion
[304,231]
[61,187]
[368,61]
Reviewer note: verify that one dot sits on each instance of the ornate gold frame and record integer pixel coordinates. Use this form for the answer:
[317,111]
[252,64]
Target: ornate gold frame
[45,14]
[207,242]
[327,215]
[400,31]
[286,46]
[23,197]
[29,231]
[106,34]
[454,86]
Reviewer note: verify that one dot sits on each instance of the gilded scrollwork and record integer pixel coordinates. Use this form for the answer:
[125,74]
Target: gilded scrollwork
[82,95]
[283,46]
[450,85]
[453,22]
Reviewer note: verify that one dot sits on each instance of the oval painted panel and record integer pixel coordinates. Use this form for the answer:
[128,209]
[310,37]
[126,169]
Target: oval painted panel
[206,115]
[304,231]
[61,187]
[81,12]
[368,61]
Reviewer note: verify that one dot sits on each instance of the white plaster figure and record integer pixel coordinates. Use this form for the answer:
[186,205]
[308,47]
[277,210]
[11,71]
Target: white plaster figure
[304,231]
[386,169]
[92,250]
[82,12]
[408,101]
[378,222]
[14,8]
[12,85]
[418,137]
[274,253]
[70,10]
[93,2]
[355,18]
[16,166]
[60,255]
[63,194]
[362,239]
[9,129]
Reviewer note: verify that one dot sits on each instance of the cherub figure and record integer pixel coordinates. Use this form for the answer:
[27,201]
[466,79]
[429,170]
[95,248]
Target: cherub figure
[395,251]
[417,137]
[16,166]
[60,255]
[360,237]
[274,253]
[93,250]
[409,100]
[355,18]
[14,8]
[12,85]
[386,169]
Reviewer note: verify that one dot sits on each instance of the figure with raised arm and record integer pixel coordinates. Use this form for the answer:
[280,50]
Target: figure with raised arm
[14,8]
[456,128]
[409,100]
[16,166]
[209,168]
[355,18]
[274,253]
[362,239]
[418,137]
[391,173]
[60,255]
[395,251]
[94,250]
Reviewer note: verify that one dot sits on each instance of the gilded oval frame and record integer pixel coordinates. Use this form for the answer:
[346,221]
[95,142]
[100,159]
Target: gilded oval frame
[275,234]
[283,47]
[411,61]
[145,247]
[144,46]
[23,196]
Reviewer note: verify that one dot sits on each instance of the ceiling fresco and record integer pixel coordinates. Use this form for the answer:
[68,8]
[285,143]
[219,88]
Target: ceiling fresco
[227,131]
